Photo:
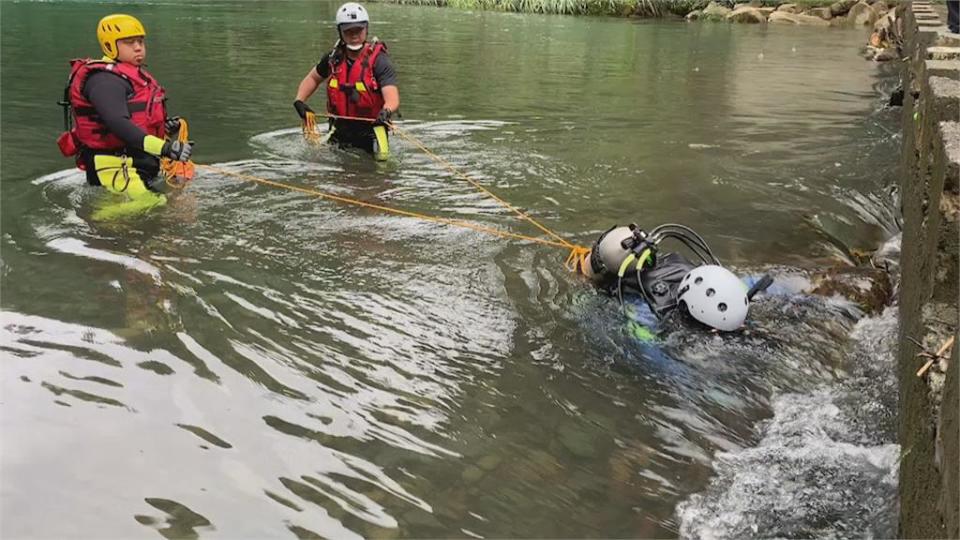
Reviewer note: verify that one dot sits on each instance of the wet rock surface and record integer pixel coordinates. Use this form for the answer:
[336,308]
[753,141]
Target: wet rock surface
[783,17]
[868,287]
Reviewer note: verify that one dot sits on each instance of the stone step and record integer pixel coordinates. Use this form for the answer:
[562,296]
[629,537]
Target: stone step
[943,68]
[950,131]
[943,53]
[946,38]
[946,98]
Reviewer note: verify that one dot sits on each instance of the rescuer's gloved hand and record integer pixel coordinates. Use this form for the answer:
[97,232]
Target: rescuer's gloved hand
[172,126]
[177,151]
[302,109]
[385,116]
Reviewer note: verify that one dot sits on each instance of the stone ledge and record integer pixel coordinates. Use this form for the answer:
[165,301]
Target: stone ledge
[943,68]
[928,34]
[946,38]
[950,132]
[943,53]
[946,97]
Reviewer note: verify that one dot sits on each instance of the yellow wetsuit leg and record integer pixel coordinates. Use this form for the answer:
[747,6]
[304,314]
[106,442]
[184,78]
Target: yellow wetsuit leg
[381,145]
[119,176]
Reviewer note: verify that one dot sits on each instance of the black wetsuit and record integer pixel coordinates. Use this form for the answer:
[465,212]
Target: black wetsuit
[109,93]
[657,285]
[359,134]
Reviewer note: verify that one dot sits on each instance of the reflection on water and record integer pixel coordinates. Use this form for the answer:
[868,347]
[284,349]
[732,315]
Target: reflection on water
[249,361]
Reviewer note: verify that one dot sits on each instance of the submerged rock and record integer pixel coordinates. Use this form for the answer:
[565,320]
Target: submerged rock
[576,440]
[490,462]
[471,474]
[868,287]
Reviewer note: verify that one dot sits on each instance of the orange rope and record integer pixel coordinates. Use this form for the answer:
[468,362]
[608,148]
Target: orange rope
[178,173]
[310,131]
[577,260]
[576,252]
[477,185]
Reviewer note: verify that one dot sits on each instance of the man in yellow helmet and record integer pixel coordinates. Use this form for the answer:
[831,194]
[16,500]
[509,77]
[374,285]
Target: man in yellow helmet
[119,119]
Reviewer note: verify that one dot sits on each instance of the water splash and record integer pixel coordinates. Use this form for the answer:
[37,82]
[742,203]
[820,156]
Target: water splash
[826,465]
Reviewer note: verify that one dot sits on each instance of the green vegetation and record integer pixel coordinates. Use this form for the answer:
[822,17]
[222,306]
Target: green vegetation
[569,7]
[578,7]
[640,8]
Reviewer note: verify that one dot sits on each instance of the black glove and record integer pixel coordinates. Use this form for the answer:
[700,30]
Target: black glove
[172,126]
[384,116]
[302,109]
[177,151]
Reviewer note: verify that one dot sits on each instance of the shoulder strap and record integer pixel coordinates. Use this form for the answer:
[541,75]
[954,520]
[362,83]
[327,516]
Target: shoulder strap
[334,57]
[131,73]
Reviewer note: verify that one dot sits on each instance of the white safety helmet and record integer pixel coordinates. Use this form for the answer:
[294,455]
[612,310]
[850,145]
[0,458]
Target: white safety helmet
[349,15]
[714,296]
[352,13]
[610,251]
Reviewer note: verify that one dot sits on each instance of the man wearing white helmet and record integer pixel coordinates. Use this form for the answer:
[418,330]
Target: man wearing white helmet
[627,260]
[361,82]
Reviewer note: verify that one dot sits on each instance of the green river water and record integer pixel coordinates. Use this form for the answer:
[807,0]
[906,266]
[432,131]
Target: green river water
[251,362]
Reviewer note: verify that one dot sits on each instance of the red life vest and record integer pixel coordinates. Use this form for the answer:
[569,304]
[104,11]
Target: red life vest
[353,90]
[146,106]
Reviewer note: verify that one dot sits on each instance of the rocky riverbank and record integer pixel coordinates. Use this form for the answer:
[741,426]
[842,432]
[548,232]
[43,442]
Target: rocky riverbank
[843,13]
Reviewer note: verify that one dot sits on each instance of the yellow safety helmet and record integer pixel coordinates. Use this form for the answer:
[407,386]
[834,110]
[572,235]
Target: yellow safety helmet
[114,27]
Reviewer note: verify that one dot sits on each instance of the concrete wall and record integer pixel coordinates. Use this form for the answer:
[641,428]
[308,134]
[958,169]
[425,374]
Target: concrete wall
[929,405]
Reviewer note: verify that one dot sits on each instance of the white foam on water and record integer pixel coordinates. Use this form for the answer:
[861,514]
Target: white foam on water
[826,465]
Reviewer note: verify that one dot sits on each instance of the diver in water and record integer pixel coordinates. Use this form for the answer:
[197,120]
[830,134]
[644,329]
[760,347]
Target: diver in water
[629,261]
